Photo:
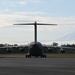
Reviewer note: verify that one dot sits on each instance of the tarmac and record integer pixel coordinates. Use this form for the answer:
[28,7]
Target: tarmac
[37,66]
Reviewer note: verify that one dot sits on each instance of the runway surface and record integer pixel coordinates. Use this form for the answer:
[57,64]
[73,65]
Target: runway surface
[37,66]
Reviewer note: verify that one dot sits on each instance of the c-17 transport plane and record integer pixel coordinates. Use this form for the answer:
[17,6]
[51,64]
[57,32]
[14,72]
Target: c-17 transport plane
[35,48]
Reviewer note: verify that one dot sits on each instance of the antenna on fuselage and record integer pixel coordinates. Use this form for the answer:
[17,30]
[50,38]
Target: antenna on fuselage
[35,28]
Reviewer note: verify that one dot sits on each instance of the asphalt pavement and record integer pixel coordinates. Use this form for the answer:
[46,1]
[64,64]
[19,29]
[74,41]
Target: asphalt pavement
[37,66]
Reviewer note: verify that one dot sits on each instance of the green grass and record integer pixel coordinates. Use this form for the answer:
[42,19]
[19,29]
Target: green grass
[61,55]
[48,55]
[13,55]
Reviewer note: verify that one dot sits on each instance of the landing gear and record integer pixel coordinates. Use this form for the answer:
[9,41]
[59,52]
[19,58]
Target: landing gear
[43,56]
[28,56]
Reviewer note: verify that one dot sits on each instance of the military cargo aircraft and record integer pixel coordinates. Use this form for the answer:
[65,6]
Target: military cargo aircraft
[35,48]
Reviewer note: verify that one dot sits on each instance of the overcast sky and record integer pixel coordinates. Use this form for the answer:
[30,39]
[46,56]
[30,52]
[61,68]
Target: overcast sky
[61,12]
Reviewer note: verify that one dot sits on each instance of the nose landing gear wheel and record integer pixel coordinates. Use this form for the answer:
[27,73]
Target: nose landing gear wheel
[43,56]
[28,56]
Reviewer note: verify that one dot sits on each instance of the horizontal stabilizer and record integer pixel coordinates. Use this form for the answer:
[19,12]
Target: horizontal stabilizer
[45,24]
[35,23]
[35,27]
[25,24]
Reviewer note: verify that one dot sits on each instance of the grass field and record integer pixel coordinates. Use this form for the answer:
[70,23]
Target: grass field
[48,55]
[61,55]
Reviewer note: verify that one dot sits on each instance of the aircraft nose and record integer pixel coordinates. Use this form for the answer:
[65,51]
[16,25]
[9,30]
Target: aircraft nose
[35,45]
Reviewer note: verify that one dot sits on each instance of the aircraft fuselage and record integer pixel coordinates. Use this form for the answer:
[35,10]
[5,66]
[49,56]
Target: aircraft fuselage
[35,49]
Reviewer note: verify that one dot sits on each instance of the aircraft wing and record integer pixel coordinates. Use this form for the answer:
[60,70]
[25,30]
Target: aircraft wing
[67,47]
[61,47]
[9,47]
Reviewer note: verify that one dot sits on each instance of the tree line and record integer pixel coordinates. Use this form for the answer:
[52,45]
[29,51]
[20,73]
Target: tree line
[53,44]
[64,45]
